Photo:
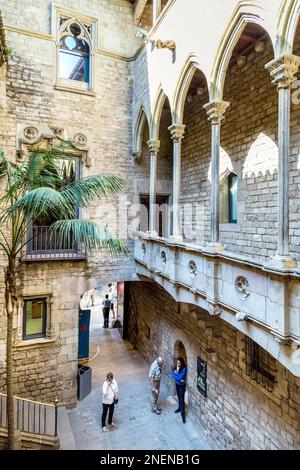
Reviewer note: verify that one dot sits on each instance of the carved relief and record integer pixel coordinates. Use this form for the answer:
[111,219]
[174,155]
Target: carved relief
[31,137]
[30,133]
[242,287]
[163,257]
[80,140]
[169,44]
[193,268]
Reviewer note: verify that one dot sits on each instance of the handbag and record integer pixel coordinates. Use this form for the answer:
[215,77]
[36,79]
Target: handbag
[116,400]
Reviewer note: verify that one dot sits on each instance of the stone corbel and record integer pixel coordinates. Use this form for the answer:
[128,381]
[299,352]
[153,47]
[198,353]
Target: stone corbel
[215,310]
[284,340]
[137,157]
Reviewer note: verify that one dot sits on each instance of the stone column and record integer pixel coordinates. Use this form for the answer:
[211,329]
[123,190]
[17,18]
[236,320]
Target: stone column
[283,70]
[177,133]
[153,150]
[215,111]
[156,8]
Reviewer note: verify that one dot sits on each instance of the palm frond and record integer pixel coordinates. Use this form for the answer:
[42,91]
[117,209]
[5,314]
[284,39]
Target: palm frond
[40,201]
[89,234]
[6,167]
[41,169]
[87,190]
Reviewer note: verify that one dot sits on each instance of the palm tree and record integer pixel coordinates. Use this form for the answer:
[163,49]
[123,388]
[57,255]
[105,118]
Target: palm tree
[36,189]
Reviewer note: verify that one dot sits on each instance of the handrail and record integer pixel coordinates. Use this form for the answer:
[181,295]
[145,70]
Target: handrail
[31,416]
[30,401]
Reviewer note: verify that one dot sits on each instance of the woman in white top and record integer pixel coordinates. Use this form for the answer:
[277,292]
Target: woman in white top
[110,395]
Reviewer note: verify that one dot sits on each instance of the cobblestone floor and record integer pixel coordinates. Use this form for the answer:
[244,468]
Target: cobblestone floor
[138,427]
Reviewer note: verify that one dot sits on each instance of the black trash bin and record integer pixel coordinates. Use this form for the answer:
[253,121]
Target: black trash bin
[84,381]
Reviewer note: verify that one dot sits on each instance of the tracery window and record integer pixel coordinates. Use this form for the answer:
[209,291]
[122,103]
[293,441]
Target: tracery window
[76,42]
[74,51]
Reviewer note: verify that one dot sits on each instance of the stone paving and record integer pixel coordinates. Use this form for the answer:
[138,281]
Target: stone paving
[138,428]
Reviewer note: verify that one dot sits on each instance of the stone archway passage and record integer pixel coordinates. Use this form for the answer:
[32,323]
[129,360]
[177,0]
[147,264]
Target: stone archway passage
[180,351]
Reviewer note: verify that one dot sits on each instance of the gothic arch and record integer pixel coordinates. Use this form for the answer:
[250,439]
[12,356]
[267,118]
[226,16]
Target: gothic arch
[287,25]
[161,97]
[141,121]
[186,76]
[228,42]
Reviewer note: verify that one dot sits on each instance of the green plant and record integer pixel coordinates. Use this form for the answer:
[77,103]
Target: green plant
[36,189]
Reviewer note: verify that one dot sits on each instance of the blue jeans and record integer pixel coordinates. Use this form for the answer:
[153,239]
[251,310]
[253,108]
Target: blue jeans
[180,389]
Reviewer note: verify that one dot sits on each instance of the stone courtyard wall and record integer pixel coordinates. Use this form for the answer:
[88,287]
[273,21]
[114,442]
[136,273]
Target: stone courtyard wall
[48,370]
[237,413]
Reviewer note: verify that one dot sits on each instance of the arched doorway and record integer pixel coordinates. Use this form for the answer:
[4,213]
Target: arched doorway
[179,351]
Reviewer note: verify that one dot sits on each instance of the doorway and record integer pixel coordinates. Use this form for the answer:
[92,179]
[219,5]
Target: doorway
[180,351]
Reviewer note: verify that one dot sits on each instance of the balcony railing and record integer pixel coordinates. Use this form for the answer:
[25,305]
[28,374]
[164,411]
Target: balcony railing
[31,416]
[47,244]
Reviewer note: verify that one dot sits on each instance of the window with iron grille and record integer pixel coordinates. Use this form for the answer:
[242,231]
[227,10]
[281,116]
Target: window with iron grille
[260,365]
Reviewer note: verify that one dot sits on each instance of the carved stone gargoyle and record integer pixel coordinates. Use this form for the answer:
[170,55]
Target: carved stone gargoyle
[165,45]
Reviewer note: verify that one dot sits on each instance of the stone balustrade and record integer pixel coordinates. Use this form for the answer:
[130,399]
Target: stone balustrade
[261,303]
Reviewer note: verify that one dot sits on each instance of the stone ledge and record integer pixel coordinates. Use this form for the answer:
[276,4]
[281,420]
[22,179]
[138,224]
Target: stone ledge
[35,343]
[75,90]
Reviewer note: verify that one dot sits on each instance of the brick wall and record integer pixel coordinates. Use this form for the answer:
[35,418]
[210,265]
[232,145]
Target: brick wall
[237,413]
[248,147]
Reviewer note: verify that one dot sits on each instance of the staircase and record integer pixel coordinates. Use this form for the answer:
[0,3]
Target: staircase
[36,423]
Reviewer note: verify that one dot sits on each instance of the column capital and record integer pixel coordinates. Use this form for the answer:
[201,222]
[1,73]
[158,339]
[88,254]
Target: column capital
[154,146]
[283,69]
[177,132]
[215,110]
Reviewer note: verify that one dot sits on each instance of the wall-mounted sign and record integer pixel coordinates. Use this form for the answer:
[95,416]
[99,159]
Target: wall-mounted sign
[202,376]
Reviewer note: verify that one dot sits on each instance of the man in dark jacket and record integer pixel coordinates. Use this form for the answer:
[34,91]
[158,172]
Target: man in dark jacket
[106,304]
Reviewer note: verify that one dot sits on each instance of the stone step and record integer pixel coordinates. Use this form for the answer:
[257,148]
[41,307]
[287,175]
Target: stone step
[65,434]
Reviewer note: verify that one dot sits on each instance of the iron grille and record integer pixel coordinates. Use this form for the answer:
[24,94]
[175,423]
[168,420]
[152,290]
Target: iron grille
[260,365]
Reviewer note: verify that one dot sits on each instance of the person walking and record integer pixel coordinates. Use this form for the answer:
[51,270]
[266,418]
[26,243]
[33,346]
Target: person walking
[106,304]
[155,374]
[179,375]
[110,398]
